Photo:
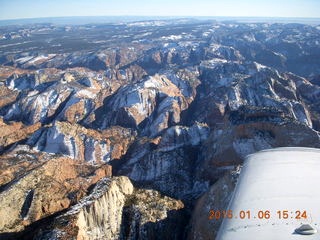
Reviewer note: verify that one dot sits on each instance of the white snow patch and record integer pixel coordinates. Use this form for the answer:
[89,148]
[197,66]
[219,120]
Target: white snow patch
[151,83]
[214,47]
[13,44]
[40,58]
[259,66]
[24,59]
[172,37]
[178,131]
[85,93]
[147,23]
[249,37]
[206,34]
[279,54]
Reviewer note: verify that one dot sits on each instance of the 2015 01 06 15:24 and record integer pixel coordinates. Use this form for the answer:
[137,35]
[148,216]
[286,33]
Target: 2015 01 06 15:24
[261,214]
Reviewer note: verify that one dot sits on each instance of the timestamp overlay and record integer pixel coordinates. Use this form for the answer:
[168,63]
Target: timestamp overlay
[277,193]
[260,214]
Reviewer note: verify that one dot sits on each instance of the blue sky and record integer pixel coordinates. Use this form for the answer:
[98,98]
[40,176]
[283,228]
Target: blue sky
[13,9]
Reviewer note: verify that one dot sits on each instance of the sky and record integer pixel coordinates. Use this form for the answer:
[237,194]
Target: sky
[16,9]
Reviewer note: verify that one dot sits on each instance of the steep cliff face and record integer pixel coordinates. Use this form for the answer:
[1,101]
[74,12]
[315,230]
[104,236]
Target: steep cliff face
[256,130]
[228,86]
[204,222]
[152,105]
[54,94]
[14,132]
[7,96]
[167,163]
[116,210]
[84,144]
[101,217]
[168,54]
[47,185]
[39,106]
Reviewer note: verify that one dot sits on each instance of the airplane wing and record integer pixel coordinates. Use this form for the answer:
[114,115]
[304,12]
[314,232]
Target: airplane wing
[277,197]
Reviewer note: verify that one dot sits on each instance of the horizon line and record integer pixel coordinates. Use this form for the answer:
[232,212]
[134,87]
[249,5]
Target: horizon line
[157,16]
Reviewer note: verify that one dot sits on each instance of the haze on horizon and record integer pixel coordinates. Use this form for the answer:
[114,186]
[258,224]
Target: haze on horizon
[17,9]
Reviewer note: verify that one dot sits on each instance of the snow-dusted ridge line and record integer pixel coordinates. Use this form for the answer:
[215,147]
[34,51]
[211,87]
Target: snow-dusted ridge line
[281,179]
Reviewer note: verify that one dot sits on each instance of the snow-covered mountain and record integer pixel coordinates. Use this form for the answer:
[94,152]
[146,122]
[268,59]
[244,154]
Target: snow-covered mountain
[175,106]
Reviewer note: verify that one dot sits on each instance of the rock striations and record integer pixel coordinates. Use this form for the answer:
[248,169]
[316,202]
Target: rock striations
[134,130]
[116,210]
